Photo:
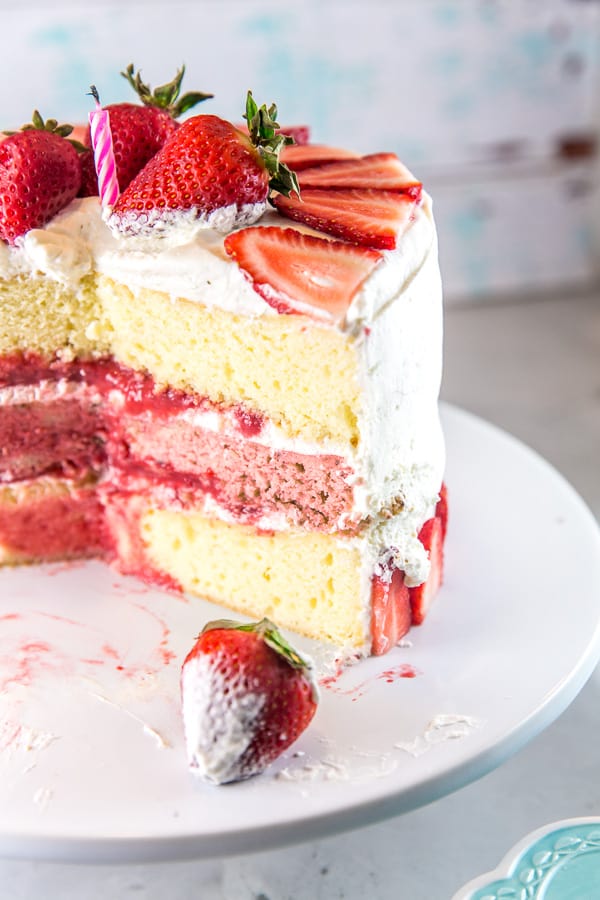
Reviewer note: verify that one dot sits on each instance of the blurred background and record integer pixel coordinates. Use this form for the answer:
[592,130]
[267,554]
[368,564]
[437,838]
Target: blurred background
[495,104]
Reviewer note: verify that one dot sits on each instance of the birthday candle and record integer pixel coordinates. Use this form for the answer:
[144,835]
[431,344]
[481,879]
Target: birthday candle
[104,157]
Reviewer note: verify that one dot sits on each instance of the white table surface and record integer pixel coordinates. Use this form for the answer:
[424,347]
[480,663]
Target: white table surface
[531,366]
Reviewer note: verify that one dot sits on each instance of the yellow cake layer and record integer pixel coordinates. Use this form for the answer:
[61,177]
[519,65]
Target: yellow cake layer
[301,375]
[304,377]
[44,317]
[309,583]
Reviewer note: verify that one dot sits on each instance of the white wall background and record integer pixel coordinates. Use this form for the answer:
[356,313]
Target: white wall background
[477,96]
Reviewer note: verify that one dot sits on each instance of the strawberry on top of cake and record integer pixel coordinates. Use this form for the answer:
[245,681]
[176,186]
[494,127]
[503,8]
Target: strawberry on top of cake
[234,382]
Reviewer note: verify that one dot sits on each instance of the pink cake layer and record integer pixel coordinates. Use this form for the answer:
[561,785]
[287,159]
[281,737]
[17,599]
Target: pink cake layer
[246,478]
[119,419]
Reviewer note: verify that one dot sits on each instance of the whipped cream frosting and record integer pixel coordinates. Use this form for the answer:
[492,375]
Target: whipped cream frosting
[395,320]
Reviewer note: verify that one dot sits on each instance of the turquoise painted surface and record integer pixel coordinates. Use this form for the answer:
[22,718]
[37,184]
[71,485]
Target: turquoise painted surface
[562,865]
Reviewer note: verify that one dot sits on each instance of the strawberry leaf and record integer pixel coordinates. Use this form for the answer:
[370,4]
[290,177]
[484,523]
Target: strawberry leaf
[166,96]
[263,130]
[270,635]
[50,125]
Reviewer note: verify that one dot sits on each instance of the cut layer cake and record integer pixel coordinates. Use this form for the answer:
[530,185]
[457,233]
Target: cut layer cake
[228,396]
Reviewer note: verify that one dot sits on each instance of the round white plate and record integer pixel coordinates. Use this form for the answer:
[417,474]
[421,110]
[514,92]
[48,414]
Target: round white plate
[92,761]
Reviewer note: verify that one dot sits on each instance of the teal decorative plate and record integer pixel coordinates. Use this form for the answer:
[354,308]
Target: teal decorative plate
[558,862]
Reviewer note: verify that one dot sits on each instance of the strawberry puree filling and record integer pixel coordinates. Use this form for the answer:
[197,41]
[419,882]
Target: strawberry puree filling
[55,527]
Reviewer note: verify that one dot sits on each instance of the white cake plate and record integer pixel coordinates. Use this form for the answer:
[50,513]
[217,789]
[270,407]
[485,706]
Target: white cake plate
[92,762]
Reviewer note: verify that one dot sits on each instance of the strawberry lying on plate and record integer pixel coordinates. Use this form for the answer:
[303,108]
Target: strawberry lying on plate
[246,696]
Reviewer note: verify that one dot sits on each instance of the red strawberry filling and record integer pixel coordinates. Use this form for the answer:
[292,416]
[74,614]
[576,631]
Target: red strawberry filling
[64,526]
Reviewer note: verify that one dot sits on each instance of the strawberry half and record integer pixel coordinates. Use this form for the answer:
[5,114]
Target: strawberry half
[432,537]
[247,695]
[390,612]
[299,157]
[382,171]
[138,132]
[40,174]
[370,218]
[209,171]
[298,273]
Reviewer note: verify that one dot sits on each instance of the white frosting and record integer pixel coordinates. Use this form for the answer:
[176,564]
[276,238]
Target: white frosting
[218,729]
[173,227]
[403,454]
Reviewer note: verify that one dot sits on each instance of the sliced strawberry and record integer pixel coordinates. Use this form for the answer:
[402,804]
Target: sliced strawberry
[382,171]
[370,218]
[298,273]
[441,509]
[390,612]
[421,597]
[300,156]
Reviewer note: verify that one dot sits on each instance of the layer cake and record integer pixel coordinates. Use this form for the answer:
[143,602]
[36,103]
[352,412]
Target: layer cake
[239,405]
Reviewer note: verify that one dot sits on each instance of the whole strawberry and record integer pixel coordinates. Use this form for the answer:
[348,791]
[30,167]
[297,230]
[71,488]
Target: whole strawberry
[247,695]
[208,172]
[139,131]
[40,174]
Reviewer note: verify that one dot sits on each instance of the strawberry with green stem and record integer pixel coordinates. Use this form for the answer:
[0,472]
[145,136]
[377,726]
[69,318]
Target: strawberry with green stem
[209,174]
[139,131]
[40,174]
[247,695]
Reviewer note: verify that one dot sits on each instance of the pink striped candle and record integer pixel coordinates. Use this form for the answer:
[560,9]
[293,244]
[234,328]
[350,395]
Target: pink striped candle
[104,157]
